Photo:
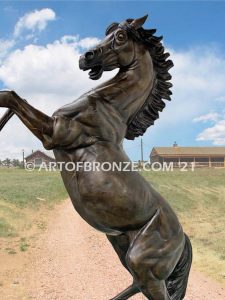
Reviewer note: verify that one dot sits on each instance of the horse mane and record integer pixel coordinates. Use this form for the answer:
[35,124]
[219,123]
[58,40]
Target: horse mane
[154,103]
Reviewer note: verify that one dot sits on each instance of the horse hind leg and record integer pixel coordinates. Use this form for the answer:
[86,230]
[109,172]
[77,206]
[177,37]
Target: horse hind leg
[152,287]
[121,244]
[127,293]
[154,253]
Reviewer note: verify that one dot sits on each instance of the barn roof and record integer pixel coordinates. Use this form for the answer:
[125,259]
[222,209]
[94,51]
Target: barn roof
[39,152]
[188,151]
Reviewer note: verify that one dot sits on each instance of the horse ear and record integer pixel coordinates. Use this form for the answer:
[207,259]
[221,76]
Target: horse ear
[111,28]
[137,23]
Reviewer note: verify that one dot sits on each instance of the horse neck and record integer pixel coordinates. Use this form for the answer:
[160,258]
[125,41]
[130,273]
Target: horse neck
[128,90]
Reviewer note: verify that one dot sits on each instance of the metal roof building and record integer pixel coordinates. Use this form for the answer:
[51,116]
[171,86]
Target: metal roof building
[199,156]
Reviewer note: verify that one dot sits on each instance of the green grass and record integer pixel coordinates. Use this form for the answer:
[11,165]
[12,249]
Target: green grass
[22,195]
[25,189]
[6,230]
[199,200]
[23,244]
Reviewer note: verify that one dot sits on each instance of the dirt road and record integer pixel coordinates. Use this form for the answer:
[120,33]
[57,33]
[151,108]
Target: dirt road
[73,261]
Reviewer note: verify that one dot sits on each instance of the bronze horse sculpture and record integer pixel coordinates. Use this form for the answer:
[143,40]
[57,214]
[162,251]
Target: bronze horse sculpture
[138,222]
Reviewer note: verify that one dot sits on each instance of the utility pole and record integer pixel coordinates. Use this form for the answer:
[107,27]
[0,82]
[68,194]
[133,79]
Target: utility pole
[142,156]
[23,159]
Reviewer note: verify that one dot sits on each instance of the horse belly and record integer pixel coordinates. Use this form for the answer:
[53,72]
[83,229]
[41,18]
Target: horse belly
[111,202]
[116,201]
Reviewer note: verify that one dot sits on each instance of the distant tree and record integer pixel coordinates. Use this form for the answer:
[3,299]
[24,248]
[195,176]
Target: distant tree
[16,163]
[6,162]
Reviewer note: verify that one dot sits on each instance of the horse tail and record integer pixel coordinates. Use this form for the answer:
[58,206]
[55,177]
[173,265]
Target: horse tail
[178,280]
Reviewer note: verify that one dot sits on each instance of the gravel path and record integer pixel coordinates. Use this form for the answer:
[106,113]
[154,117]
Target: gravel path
[73,261]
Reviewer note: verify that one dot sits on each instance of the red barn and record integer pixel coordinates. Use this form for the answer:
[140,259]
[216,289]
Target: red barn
[37,158]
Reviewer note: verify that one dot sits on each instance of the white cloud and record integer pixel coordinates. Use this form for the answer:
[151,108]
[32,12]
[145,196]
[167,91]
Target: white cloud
[5,46]
[208,117]
[32,21]
[35,20]
[88,42]
[48,77]
[216,134]
[220,99]
[75,41]
[70,39]
[47,70]
[198,78]
[203,87]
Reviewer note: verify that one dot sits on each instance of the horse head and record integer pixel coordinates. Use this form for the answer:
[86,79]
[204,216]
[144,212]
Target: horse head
[116,50]
[130,47]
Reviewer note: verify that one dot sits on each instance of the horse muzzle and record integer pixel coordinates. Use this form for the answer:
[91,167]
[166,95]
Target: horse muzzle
[87,62]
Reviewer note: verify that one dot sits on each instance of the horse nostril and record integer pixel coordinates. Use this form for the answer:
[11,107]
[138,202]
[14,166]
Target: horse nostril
[89,55]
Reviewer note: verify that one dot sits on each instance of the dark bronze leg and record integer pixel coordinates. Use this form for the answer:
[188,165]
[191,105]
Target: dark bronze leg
[145,271]
[127,293]
[37,122]
[5,118]
[153,255]
[121,244]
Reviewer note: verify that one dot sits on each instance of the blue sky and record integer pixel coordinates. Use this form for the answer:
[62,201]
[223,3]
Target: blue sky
[193,32]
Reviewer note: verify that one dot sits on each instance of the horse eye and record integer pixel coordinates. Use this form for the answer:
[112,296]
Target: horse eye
[121,36]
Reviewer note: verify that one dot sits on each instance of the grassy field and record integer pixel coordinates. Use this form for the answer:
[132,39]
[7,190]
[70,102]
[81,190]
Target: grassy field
[199,199]
[25,201]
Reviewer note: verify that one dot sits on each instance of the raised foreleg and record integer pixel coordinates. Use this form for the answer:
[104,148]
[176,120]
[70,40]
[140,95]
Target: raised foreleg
[37,122]
[54,132]
[6,117]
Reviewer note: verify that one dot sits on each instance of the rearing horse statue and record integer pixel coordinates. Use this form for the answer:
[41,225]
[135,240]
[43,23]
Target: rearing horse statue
[139,223]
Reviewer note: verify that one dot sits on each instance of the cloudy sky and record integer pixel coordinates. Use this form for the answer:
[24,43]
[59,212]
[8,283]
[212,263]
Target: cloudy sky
[40,44]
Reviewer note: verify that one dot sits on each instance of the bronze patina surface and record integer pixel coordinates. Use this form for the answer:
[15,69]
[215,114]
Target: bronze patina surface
[139,223]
